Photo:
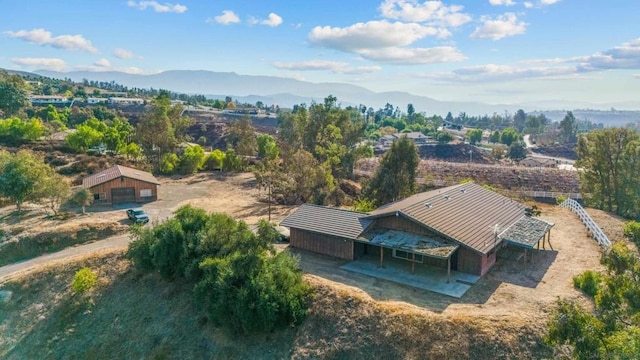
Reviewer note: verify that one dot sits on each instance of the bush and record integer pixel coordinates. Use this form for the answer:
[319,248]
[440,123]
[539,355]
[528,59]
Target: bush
[588,282]
[632,231]
[84,280]
[244,284]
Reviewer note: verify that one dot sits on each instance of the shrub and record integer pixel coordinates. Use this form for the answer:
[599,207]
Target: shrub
[588,282]
[84,280]
[632,231]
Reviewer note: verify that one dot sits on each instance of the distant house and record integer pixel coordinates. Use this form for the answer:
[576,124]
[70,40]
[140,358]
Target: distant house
[457,228]
[120,184]
[417,137]
[126,101]
[538,162]
[48,99]
[94,100]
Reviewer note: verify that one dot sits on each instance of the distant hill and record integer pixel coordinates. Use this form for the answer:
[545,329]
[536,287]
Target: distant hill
[285,92]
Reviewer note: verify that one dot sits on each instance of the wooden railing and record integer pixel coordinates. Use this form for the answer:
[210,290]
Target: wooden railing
[591,225]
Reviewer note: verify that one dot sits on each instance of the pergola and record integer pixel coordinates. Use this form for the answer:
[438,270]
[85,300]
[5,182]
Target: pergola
[410,244]
[527,233]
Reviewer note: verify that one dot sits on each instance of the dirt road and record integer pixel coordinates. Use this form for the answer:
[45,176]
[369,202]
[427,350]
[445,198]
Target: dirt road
[234,194]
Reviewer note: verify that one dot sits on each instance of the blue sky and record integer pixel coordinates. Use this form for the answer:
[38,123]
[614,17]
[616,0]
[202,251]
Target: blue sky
[494,51]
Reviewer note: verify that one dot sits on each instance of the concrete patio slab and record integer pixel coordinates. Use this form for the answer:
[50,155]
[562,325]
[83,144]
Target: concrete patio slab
[425,277]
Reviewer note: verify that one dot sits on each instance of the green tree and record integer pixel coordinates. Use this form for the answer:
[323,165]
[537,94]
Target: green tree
[214,160]
[231,161]
[53,190]
[13,94]
[495,137]
[395,177]
[509,135]
[83,198]
[474,136]
[84,138]
[610,159]
[162,128]
[133,151]
[267,147]
[632,231]
[192,160]
[517,151]
[520,120]
[22,177]
[169,163]
[569,128]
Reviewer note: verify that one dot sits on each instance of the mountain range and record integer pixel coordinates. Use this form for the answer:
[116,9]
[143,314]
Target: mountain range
[286,92]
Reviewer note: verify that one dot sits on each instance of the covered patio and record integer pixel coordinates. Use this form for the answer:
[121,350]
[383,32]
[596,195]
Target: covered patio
[527,233]
[411,259]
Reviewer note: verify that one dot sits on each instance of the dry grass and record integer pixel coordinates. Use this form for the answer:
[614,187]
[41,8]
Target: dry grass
[130,315]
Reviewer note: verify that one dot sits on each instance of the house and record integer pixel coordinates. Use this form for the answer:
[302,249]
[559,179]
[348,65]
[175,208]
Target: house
[538,162]
[417,137]
[125,101]
[120,184]
[94,100]
[457,228]
[48,99]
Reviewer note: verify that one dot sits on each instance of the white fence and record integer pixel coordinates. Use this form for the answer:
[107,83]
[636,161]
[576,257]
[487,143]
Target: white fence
[552,194]
[591,225]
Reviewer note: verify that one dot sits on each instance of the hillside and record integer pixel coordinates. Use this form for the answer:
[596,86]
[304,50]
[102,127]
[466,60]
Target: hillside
[141,316]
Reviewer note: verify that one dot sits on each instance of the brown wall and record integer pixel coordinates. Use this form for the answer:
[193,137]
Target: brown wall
[127,182]
[321,244]
[469,261]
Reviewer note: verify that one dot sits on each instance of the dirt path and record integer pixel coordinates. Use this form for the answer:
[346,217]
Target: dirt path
[234,194]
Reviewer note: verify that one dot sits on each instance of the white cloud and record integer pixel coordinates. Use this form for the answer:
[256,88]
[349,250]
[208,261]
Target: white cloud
[273,20]
[43,37]
[528,4]
[500,27]
[549,2]
[336,67]
[157,7]
[122,53]
[370,35]
[430,12]
[625,56]
[637,76]
[227,17]
[502,2]
[102,63]
[41,63]
[399,55]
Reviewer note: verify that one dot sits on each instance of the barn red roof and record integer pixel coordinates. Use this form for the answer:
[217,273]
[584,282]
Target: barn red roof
[116,172]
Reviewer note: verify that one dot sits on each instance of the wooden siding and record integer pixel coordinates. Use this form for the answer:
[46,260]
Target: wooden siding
[322,244]
[469,261]
[123,182]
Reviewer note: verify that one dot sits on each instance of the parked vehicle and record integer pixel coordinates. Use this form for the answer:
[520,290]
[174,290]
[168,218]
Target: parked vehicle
[138,216]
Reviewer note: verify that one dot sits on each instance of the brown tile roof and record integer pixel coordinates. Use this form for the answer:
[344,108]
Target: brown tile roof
[116,172]
[327,220]
[467,213]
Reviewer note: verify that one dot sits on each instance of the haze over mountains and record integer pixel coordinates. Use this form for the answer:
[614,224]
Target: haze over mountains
[287,92]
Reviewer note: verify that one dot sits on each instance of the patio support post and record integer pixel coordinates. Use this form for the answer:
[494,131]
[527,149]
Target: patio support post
[381,255]
[551,246]
[448,269]
[413,263]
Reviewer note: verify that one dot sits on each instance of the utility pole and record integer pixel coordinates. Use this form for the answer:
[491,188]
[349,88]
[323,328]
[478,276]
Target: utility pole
[470,155]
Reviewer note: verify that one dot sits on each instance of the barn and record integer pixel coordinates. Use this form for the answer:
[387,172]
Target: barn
[121,184]
[458,228]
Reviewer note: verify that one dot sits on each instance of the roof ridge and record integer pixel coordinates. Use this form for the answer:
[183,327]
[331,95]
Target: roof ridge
[335,208]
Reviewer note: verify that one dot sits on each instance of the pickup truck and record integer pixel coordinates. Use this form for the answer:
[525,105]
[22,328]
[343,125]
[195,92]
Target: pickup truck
[138,216]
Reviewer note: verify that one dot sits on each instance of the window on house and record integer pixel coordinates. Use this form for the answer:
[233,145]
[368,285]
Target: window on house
[145,193]
[99,196]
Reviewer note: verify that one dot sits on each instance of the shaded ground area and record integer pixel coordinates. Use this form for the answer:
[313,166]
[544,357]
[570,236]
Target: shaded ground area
[131,315]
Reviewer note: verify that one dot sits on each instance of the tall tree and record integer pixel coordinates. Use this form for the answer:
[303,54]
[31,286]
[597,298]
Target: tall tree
[610,159]
[395,177]
[24,177]
[520,120]
[13,94]
[162,128]
[569,128]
